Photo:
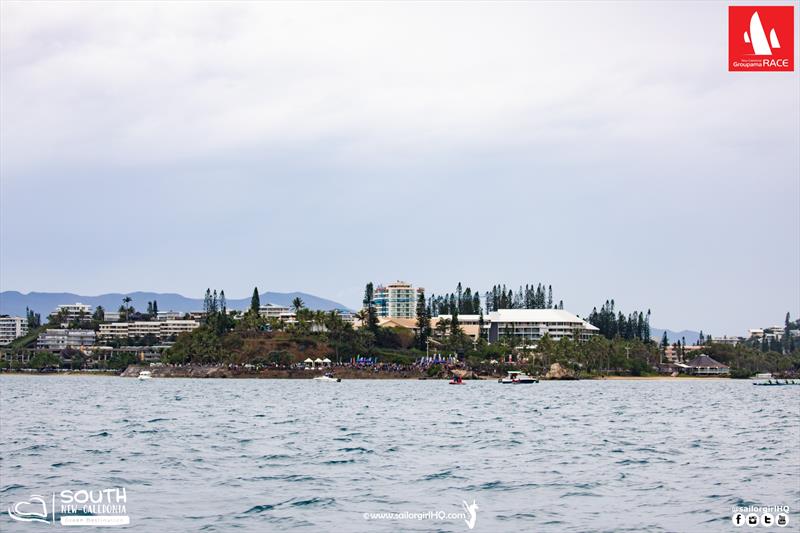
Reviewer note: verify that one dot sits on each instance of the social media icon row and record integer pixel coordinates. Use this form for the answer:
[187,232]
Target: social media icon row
[766,519]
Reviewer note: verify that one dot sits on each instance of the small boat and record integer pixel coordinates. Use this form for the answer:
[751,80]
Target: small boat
[517,377]
[145,374]
[456,381]
[327,377]
[765,375]
[777,383]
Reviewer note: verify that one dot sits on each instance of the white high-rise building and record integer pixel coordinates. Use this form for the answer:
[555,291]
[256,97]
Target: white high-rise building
[12,327]
[396,300]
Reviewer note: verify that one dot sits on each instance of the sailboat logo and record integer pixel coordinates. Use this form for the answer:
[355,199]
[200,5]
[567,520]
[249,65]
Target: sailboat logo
[761,38]
[757,37]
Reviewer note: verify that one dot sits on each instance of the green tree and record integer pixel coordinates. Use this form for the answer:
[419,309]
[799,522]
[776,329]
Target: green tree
[298,304]
[372,313]
[34,319]
[423,321]
[455,327]
[255,301]
[44,360]
[128,308]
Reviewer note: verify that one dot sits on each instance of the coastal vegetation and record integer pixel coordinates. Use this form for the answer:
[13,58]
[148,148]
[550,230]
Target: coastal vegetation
[623,347]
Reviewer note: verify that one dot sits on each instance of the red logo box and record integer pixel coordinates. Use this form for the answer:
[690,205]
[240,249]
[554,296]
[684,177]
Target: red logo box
[760,38]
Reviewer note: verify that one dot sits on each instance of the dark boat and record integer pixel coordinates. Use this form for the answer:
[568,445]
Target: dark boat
[776,383]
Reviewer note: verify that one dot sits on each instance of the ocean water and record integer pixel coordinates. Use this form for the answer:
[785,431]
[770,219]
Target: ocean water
[279,455]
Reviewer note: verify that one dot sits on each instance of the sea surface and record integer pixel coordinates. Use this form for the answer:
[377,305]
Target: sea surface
[279,455]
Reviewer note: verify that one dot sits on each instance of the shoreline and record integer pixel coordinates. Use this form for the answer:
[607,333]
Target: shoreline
[214,372]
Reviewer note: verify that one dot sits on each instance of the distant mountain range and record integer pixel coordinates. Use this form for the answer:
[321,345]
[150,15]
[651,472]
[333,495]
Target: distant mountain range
[14,303]
[675,336]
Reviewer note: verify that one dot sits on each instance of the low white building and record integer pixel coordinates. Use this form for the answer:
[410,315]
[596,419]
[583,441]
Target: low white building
[73,312]
[773,332]
[160,329]
[170,328]
[346,315]
[273,311]
[530,325]
[170,315]
[59,339]
[12,327]
[732,341]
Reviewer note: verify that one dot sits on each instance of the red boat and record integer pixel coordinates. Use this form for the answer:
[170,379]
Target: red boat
[456,381]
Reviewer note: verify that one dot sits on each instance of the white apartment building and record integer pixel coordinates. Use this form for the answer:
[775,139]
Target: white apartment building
[396,300]
[12,327]
[73,312]
[59,339]
[732,341]
[170,328]
[161,329]
[773,332]
[273,311]
[530,325]
[170,315]
[346,315]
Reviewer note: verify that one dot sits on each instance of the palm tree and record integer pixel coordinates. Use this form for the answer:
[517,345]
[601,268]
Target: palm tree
[361,316]
[126,301]
[297,304]
[319,318]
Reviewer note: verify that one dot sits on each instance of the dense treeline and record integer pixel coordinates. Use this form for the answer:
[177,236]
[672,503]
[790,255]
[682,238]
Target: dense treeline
[465,301]
[611,323]
[528,297]
[461,302]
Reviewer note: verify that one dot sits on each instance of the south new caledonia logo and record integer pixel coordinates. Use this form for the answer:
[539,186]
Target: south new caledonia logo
[761,38]
[104,507]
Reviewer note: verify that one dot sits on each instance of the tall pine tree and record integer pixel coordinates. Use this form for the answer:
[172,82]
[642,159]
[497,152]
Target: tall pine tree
[423,321]
[255,301]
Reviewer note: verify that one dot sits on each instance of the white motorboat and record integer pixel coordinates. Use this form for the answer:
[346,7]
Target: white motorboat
[517,377]
[145,374]
[327,377]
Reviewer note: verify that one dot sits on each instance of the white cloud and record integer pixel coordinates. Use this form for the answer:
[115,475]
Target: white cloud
[134,83]
[617,122]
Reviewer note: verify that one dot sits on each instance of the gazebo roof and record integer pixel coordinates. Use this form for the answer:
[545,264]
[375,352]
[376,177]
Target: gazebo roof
[704,361]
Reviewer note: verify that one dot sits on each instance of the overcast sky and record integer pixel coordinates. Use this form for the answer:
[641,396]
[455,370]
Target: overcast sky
[602,148]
